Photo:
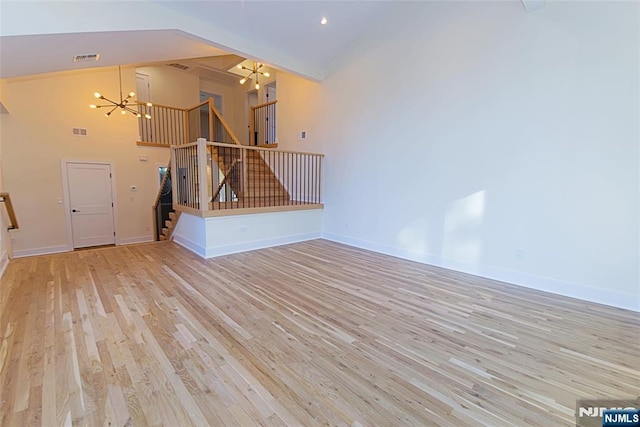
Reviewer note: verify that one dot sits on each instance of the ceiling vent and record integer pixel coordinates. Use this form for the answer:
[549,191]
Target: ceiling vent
[90,57]
[178,66]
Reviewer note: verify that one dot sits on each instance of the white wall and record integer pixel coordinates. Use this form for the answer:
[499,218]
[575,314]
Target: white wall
[172,87]
[479,137]
[233,105]
[36,135]
[298,109]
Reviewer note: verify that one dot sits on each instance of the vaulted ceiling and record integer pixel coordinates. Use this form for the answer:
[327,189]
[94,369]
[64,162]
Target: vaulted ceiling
[43,36]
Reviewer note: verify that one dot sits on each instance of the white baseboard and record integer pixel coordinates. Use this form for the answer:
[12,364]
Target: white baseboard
[42,251]
[532,281]
[190,244]
[68,248]
[212,252]
[134,240]
[4,262]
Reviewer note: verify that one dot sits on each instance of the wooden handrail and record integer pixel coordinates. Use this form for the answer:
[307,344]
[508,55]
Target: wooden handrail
[162,106]
[198,105]
[6,199]
[266,104]
[162,183]
[191,144]
[249,147]
[224,124]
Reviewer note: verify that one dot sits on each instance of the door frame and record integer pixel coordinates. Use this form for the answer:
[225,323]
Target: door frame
[67,201]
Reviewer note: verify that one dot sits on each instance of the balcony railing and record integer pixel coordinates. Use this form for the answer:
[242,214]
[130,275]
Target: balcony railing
[176,126]
[212,178]
[167,126]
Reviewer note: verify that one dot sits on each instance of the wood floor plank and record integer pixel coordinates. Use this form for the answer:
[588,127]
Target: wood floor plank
[314,333]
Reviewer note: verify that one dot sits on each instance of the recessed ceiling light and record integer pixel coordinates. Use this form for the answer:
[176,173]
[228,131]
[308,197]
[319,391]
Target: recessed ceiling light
[323,21]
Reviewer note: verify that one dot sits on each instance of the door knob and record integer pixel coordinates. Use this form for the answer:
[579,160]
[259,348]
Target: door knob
[73,210]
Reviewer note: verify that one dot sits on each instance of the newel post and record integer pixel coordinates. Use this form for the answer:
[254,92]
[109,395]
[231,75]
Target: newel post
[174,180]
[203,188]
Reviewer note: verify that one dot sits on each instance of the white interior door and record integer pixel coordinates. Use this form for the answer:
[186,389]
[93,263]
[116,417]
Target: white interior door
[143,90]
[91,203]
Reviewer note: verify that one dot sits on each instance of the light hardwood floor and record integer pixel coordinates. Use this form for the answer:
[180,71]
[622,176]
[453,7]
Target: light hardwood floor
[308,334]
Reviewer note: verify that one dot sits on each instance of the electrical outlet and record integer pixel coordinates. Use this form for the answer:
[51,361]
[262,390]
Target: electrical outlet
[519,254]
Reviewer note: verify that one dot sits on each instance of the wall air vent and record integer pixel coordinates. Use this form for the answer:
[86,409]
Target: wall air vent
[178,66]
[79,132]
[89,57]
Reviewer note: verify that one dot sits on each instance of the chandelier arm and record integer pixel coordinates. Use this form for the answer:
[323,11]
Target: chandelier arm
[112,110]
[132,111]
[108,100]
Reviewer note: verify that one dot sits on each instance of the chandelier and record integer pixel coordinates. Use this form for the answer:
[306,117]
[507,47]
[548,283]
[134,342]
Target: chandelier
[123,104]
[255,70]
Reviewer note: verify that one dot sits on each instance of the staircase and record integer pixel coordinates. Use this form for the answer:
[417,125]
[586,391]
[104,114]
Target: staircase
[169,225]
[224,174]
[164,216]
[249,177]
